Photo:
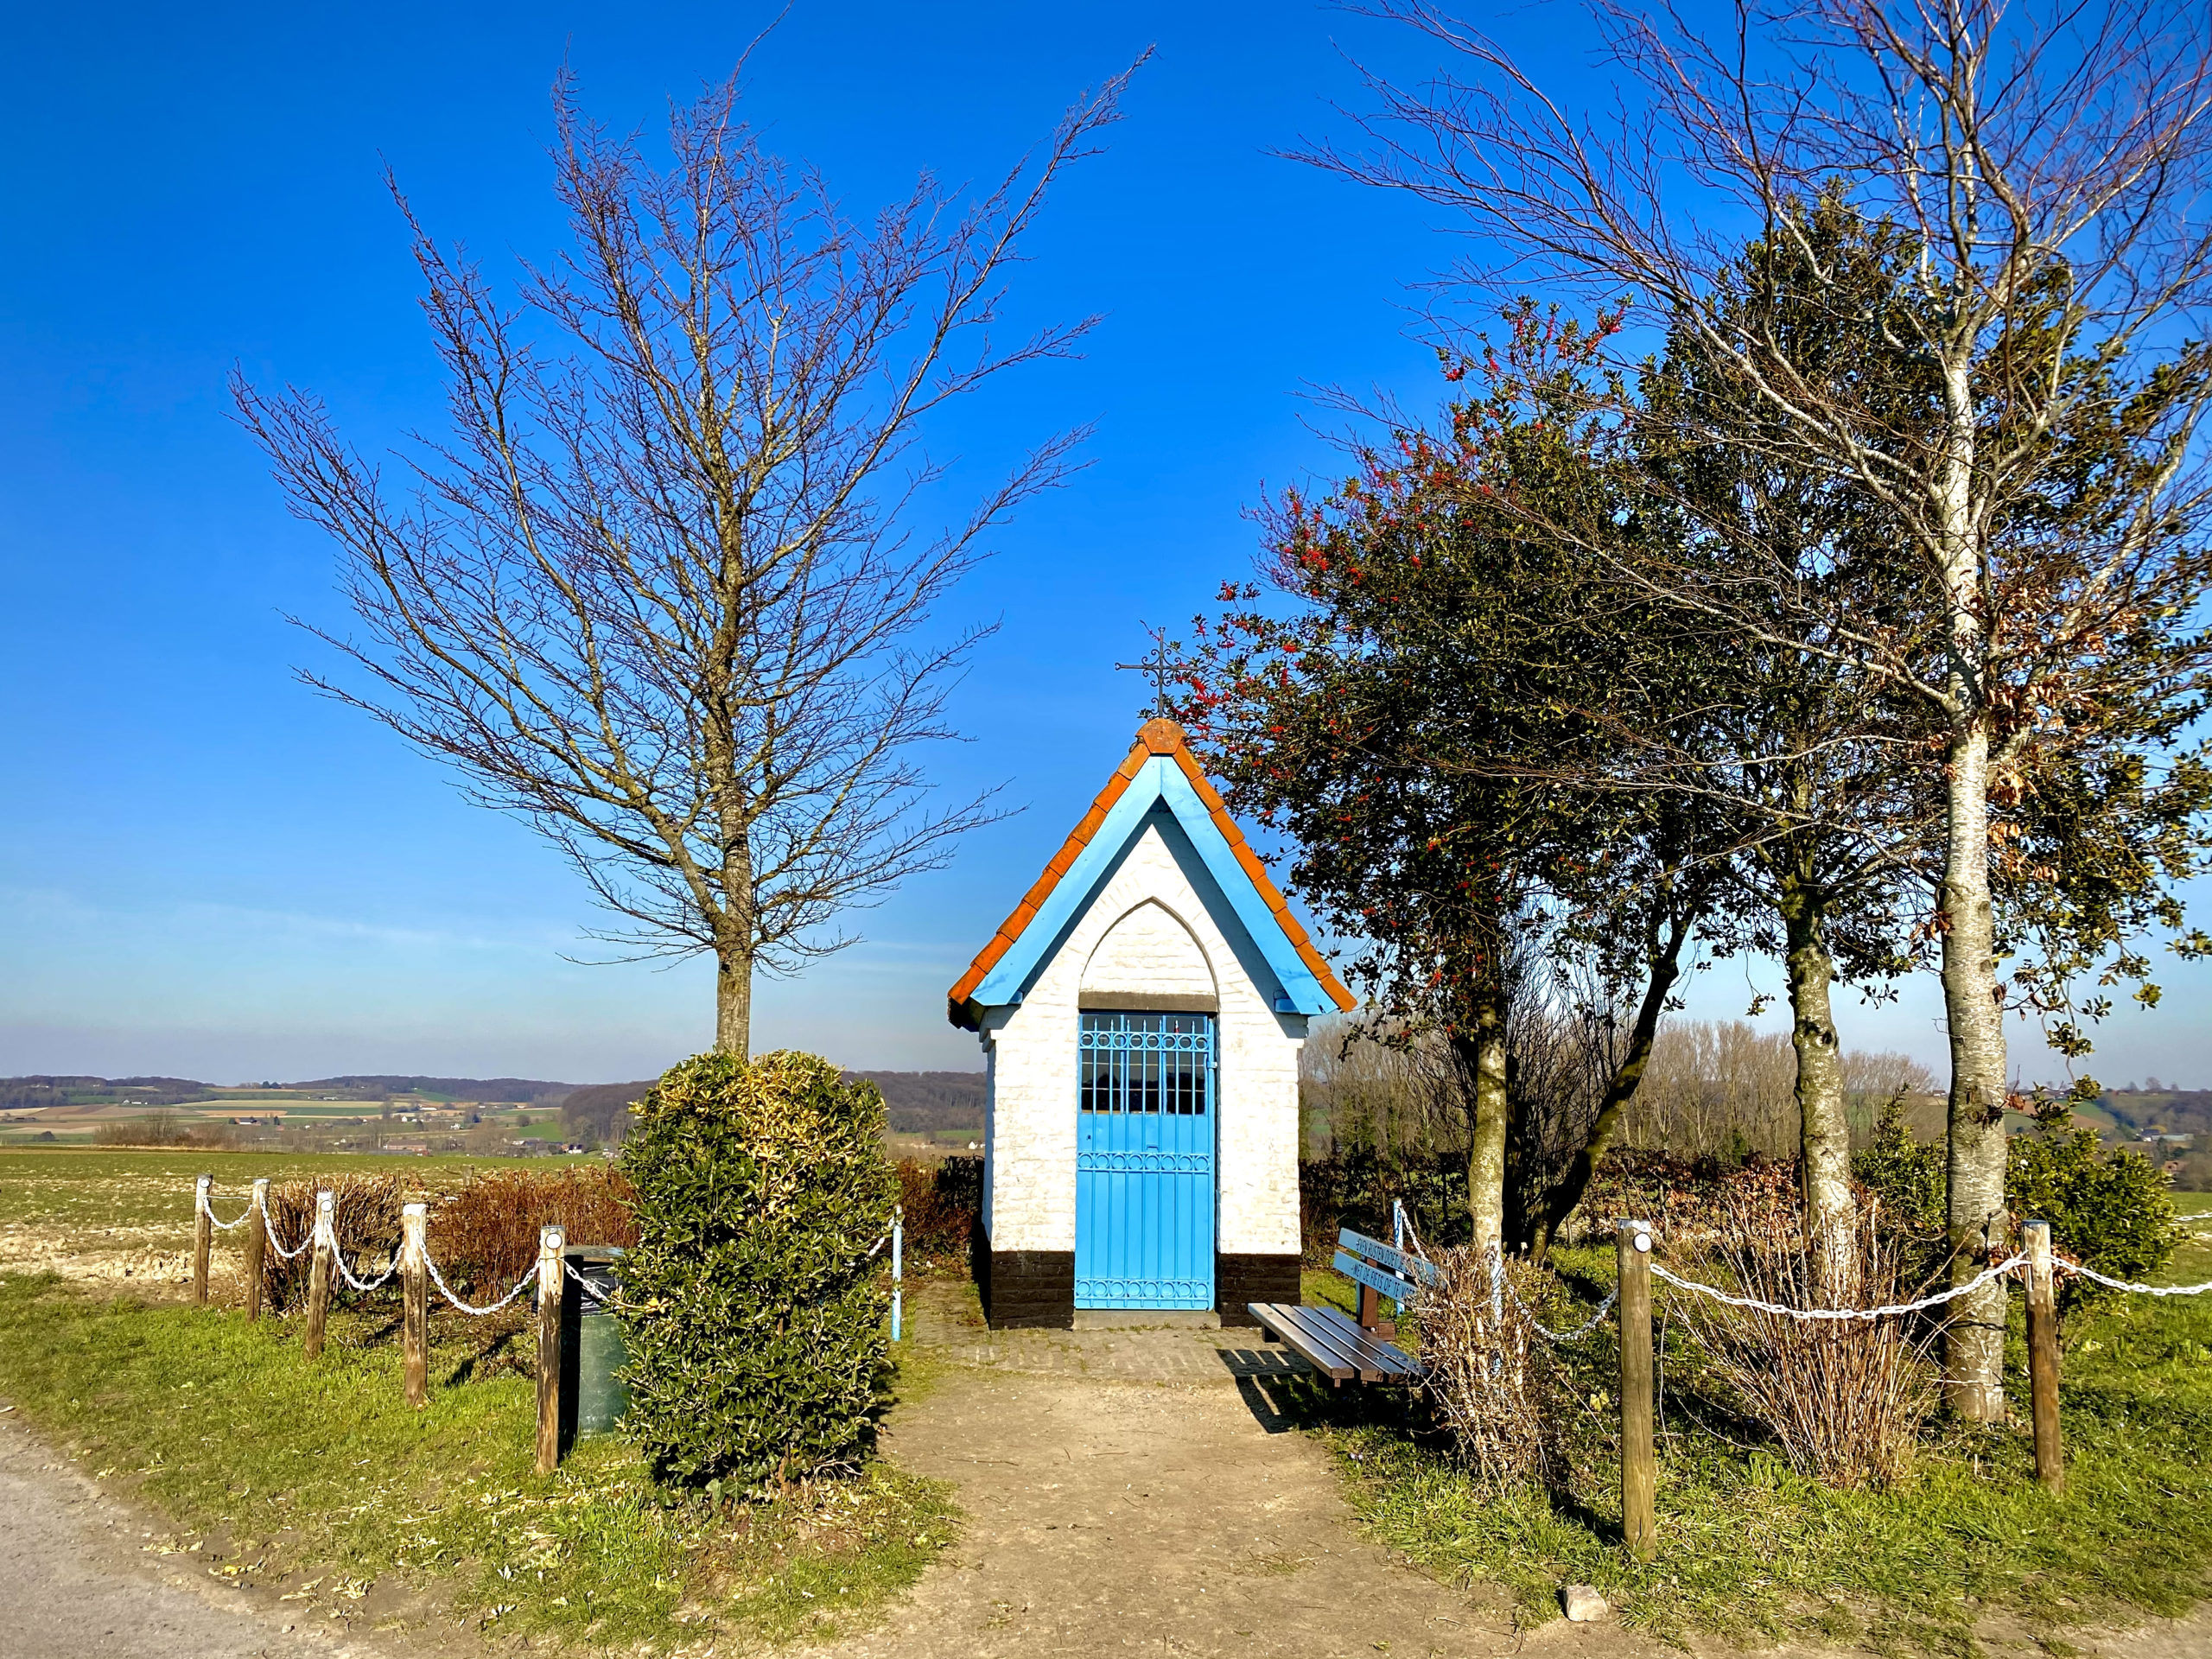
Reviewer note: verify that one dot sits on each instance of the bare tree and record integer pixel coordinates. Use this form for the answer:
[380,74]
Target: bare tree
[1722,1086]
[659,590]
[2048,163]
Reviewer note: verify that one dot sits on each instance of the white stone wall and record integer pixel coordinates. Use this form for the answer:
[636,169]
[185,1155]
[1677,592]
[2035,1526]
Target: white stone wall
[1158,937]
[1150,951]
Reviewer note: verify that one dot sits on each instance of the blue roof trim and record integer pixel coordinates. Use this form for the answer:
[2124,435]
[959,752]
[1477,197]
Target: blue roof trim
[1003,985]
[1161,779]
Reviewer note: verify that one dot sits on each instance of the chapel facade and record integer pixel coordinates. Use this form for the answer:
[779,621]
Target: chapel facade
[1141,1013]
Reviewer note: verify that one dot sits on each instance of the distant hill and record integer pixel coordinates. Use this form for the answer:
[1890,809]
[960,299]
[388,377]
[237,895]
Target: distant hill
[28,1094]
[915,1101]
[529,1092]
[602,1107]
[919,1102]
[2170,1111]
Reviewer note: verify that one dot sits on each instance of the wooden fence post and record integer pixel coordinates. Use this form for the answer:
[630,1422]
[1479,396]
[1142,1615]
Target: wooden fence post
[256,1247]
[898,1270]
[326,1246]
[2043,1356]
[203,1238]
[415,1293]
[1639,1467]
[549,1287]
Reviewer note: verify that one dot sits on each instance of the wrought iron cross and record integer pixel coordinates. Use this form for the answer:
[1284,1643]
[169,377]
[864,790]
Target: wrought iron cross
[1155,665]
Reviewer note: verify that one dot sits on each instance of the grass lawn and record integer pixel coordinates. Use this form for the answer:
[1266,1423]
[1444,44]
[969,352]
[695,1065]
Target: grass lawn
[1748,1550]
[319,1478]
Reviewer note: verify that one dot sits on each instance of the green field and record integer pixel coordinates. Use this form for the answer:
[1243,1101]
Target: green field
[75,1193]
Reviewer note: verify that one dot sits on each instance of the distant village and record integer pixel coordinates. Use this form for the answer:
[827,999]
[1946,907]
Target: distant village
[494,1117]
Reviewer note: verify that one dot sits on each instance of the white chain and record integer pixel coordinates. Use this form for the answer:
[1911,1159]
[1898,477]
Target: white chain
[1498,1276]
[1806,1314]
[283,1254]
[346,1272]
[315,1232]
[1415,1237]
[200,1198]
[2062,1263]
[586,1285]
[438,1279]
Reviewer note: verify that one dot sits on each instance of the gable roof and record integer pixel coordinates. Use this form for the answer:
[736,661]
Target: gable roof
[1160,769]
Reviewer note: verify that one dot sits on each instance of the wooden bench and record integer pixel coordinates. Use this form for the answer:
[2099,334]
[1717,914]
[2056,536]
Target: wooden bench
[1339,1347]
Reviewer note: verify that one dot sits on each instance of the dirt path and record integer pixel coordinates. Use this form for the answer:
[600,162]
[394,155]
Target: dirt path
[77,1584]
[1140,1492]
[1113,1516]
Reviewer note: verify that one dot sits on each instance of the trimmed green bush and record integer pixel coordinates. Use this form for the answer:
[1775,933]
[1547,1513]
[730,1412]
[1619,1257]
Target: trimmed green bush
[755,1312]
[2109,1211]
[1908,1177]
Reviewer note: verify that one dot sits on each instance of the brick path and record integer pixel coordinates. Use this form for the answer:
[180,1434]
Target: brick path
[944,1317]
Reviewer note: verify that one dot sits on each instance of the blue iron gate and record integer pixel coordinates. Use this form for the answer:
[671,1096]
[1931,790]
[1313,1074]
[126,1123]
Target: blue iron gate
[1144,1161]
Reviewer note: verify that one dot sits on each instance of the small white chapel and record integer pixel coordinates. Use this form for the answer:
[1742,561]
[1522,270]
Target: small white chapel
[1141,1013]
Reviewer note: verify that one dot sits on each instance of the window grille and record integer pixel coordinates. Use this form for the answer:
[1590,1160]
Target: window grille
[1146,1063]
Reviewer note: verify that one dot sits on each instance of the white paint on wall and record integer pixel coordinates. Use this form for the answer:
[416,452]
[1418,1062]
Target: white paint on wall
[1149,952]
[1148,930]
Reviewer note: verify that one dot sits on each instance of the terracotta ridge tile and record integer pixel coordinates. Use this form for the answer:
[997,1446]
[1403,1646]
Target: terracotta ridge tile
[1155,737]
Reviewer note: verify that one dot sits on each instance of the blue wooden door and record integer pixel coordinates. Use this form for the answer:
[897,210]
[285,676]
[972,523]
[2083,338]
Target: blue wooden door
[1144,1161]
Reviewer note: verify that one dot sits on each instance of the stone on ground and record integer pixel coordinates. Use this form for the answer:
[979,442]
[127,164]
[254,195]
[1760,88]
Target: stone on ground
[1583,1604]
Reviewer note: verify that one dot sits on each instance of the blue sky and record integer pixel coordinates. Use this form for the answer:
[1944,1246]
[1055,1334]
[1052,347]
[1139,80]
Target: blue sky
[206,870]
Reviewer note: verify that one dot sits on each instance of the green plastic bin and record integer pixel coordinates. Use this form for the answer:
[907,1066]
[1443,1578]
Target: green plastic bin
[594,1396]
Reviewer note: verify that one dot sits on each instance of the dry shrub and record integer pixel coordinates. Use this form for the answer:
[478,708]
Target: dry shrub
[1843,1398]
[483,1237]
[942,1203]
[165,1129]
[1689,1200]
[364,1216]
[1491,1379]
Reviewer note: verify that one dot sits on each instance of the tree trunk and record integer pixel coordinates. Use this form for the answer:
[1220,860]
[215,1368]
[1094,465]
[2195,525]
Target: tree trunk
[1973,1350]
[733,1004]
[1559,1203]
[1824,1128]
[734,942]
[1485,1054]
[1973,1342]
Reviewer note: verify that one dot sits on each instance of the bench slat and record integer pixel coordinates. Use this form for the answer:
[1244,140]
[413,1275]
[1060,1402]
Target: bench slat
[1333,1344]
[1365,1346]
[1329,1334]
[1324,1360]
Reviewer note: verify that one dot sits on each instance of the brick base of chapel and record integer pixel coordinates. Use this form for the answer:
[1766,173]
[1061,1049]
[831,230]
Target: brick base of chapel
[1024,1289]
[1035,1289]
[1238,1279]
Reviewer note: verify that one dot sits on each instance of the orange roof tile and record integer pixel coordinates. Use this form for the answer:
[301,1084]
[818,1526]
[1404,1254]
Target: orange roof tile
[1154,737]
